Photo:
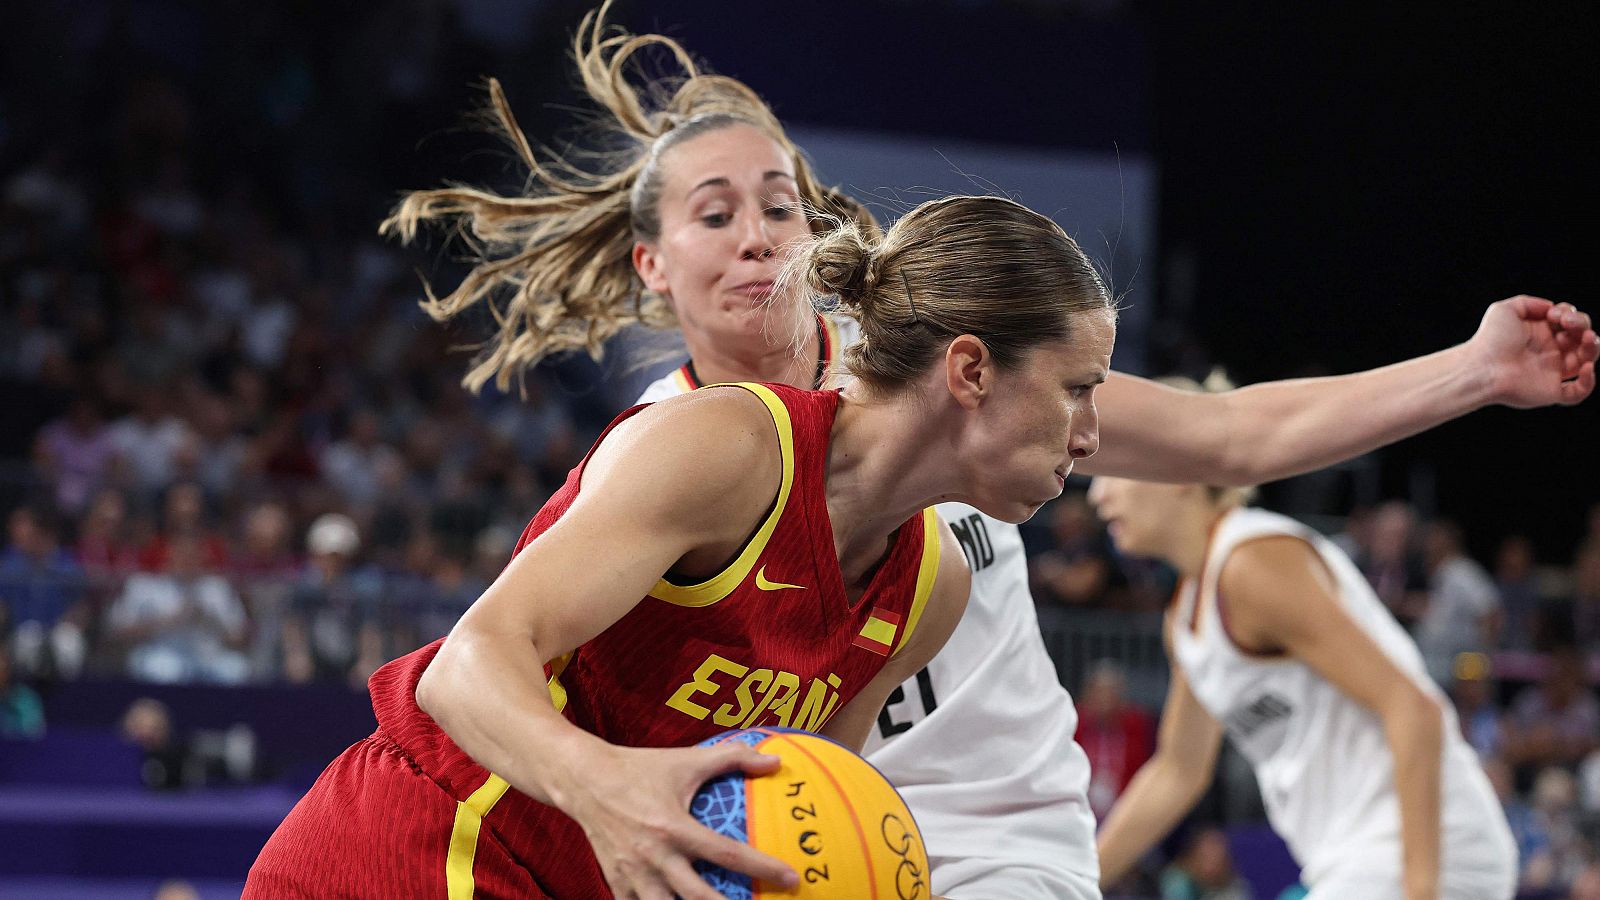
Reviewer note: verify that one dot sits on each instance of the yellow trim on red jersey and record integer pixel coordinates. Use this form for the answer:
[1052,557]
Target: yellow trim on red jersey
[927,571]
[722,584]
[558,691]
[464,837]
[680,377]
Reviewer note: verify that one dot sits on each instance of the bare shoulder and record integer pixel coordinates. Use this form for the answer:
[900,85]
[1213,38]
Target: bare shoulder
[1278,581]
[1274,560]
[712,455]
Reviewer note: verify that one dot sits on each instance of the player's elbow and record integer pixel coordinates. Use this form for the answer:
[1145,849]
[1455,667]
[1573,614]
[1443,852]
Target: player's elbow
[430,691]
[1251,446]
[438,688]
[1235,468]
[1412,712]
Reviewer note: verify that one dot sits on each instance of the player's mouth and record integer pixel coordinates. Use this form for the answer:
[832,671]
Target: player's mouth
[760,289]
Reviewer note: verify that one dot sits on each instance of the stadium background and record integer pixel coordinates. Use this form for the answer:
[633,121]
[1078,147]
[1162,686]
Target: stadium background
[188,195]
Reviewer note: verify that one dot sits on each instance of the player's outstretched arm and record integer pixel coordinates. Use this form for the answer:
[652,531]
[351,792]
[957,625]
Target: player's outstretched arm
[1527,352]
[1166,787]
[687,478]
[1281,597]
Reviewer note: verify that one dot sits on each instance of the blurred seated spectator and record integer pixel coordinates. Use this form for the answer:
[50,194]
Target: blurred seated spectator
[214,455]
[105,547]
[1520,597]
[1204,871]
[148,725]
[408,587]
[1536,865]
[333,630]
[184,624]
[352,466]
[1557,721]
[1463,608]
[21,710]
[42,590]
[183,518]
[1390,562]
[1555,809]
[1473,690]
[1591,534]
[176,889]
[266,571]
[192,760]
[1585,599]
[148,440]
[452,589]
[1589,788]
[1077,568]
[267,549]
[491,551]
[1117,735]
[1587,884]
[30,341]
[76,455]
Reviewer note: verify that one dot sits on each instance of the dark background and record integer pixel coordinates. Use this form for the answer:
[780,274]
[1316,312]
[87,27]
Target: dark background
[1341,185]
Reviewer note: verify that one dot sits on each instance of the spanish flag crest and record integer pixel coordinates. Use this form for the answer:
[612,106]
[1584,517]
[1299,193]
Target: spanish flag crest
[879,632]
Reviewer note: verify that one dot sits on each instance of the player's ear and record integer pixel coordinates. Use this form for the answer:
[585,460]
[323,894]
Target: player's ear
[647,262]
[969,370]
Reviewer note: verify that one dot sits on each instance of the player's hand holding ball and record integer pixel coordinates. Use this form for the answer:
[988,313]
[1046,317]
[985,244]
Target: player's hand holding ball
[633,804]
[826,811]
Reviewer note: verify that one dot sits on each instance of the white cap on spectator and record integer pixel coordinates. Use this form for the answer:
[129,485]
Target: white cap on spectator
[333,533]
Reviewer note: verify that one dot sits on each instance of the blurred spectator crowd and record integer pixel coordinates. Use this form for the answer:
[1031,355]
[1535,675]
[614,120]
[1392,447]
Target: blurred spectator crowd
[232,447]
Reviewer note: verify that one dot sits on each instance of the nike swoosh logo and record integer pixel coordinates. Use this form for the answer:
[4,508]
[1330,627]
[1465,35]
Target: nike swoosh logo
[765,585]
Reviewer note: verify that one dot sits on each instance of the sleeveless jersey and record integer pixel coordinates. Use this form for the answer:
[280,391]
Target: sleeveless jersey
[1324,766]
[772,639]
[980,742]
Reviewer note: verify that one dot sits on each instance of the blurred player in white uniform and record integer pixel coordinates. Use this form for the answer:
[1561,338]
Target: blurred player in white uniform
[1278,642]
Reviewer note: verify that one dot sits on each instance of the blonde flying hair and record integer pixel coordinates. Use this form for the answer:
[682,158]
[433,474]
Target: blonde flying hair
[554,266]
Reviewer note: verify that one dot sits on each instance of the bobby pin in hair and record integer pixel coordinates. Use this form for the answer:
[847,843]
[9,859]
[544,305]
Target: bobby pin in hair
[916,319]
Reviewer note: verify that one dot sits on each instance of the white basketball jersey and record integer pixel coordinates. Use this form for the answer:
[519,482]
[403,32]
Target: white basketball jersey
[980,742]
[1325,769]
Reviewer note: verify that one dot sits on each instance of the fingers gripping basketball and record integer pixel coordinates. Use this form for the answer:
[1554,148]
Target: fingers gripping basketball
[825,811]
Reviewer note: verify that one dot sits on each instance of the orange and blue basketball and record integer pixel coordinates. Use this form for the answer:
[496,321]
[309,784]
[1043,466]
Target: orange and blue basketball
[826,811]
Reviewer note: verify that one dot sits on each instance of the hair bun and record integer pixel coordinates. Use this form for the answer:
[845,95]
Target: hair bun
[842,263]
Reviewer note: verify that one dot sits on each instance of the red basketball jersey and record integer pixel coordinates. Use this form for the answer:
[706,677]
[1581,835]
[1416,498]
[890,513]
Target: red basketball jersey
[771,640]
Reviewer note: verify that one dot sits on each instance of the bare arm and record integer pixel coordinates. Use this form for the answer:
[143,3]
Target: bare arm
[688,476]
[1166,787]
[1526,353]
[952,584]
[1281,596]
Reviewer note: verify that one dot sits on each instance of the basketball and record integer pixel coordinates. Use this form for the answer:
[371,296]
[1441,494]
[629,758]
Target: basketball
[826,811]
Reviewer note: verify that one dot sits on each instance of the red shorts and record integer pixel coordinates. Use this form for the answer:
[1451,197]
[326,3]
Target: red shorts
[375,826]
[406,813]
